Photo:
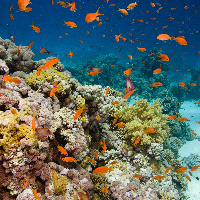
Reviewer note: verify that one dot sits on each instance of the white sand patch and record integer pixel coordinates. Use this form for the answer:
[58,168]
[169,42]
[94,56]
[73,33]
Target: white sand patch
[192,112]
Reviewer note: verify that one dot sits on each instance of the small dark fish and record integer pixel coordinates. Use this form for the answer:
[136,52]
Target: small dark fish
[12,38]
[107,19]
[43,132]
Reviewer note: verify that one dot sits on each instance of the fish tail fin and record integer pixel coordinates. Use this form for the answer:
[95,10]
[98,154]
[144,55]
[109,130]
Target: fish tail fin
[75,161]
[98,12]
[57,58]
[110,169]
[172,38]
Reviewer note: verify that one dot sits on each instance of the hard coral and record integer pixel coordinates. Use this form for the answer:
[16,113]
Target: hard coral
[11,132]
[44,82]
[138,118]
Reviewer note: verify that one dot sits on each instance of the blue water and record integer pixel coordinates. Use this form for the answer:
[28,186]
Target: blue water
[50,21]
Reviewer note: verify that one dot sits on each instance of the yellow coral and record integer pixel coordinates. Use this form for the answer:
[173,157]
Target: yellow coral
[11,132]
[50,76]
[138,118]
[60,183]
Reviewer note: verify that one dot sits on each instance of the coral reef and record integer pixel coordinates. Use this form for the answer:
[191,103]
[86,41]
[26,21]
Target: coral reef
[34,162]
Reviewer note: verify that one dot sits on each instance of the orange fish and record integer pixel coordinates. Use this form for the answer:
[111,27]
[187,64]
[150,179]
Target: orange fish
[180,170]
[171,117]
[190,173]
[114,120]
[107,90]
[73,6]
[26,184]
[120,124]
[90,17]
[70,54]
[183,119]
[164,37]
[193,84]
[113,162]
[103,144]
[48,190]
[181,40]
[137,176]
[81,41]
[157,71]
[22,5]
[140,20]
[39,70]
[115,102]
[49,64]
[7,78]
[11,8]
[13,111]
[164,57]
[99,23]
[98,117]
[63,4]
[78,112]
[198,102]
[103,169]
[131,6]
[167,170]
[35,194]
[141,49]
[95,154]
[123,11]
[35,28]
[69,159]
[128,71]
[104,190]
[52,5]
[18,51]
[137,141]
[150,130]
[193,133]
[91,160]
[117,37]
[93,73]
[156,84]
[158,177]
[129,94]
[62,150]
[70,23]
[16,80]
[188,178]
[33,122]
[198,122]
[11,17]
[30,45]
[152,4]
[195,168]
[181,84]
[130,56]
[170,19]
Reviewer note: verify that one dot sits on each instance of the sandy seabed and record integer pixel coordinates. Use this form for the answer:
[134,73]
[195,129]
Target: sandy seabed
[192,111]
